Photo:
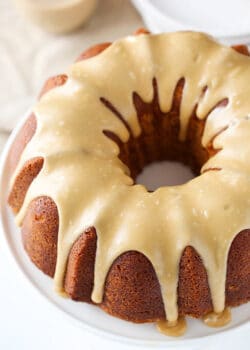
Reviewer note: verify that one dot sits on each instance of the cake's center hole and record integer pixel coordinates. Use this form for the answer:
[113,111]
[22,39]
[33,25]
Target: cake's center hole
[165,173]
[157,156]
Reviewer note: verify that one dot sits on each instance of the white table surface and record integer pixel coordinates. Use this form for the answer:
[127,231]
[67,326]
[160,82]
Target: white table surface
[27,321]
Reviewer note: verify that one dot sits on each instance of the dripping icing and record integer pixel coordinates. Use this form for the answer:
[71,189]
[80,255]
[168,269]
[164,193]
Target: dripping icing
[173,329]
[74,165]
[214,319]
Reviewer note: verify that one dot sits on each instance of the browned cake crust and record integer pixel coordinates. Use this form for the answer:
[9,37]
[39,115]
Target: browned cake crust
[132,290]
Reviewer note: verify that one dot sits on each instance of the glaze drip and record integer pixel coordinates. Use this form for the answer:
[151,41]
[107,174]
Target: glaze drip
[218,320]
[172,329]
[81,164]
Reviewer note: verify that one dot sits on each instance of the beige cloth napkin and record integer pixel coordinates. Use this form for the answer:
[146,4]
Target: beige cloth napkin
[28,55]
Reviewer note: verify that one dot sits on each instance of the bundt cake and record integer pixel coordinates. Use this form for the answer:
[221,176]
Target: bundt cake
[142,256]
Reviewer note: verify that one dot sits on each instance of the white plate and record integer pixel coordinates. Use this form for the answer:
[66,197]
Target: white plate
[92,317]
[227,19]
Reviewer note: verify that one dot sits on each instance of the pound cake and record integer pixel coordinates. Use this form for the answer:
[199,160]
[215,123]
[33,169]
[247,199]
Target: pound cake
[141,256]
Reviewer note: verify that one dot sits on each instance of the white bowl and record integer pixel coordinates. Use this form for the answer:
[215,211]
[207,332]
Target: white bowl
[91,317]
[60,16]
[224,19]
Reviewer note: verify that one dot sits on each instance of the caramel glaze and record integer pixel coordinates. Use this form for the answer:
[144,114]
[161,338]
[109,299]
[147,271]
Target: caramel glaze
[173,329]
[213,319]
[145,111]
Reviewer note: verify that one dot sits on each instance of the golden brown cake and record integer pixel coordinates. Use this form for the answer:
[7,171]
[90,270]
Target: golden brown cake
[141,256]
